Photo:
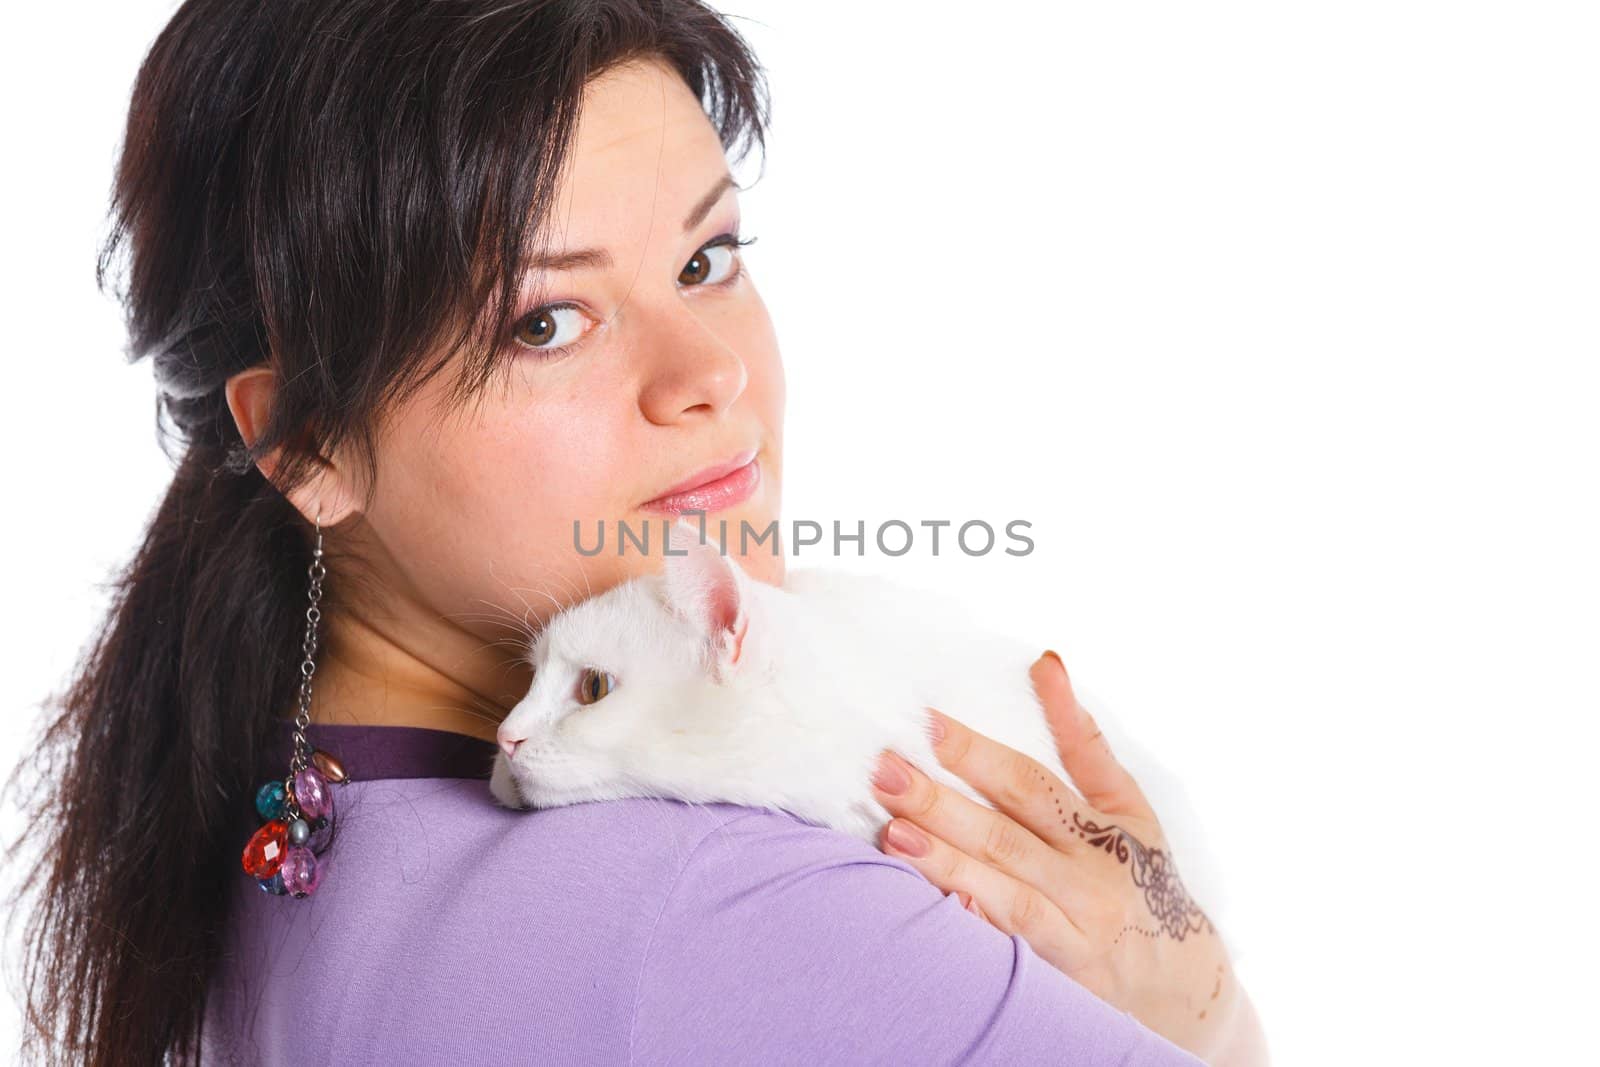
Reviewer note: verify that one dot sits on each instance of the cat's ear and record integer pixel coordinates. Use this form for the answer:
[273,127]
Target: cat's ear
[708,589]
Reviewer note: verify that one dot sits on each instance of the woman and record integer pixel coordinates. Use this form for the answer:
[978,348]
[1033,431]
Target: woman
[423,283]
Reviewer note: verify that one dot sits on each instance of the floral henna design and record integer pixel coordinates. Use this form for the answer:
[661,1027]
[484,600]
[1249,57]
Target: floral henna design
[1154,872]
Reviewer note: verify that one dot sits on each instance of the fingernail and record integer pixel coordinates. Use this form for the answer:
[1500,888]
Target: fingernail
[1057,658]
[906,839]
[935,726]
[891,776]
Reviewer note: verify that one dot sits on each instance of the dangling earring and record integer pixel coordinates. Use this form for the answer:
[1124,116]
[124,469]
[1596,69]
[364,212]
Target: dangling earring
[282,856]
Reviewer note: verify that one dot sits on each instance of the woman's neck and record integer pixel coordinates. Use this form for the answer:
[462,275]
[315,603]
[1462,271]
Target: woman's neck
[366,675]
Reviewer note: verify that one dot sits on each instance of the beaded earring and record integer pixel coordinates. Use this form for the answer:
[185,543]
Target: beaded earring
[282,856]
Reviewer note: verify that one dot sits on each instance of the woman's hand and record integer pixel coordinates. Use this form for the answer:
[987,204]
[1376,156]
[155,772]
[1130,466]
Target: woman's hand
[1086,880]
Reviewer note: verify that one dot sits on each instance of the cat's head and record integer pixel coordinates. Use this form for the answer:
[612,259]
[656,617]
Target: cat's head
[634,686]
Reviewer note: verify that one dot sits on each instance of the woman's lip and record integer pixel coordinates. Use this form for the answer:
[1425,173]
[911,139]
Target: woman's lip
[713,489]
[708,474]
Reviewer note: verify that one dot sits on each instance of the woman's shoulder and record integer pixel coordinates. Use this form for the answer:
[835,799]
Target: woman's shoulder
[447,925]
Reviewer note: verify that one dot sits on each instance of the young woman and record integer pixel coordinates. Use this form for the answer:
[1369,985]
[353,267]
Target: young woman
[423,282]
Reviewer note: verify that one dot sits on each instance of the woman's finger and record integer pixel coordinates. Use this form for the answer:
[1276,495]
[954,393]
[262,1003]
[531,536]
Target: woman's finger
[1016,783]
[1084,751]
[969,903]
[979,831]
[1007,904]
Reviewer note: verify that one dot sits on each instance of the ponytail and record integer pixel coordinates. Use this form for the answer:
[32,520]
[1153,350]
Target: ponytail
[140,778]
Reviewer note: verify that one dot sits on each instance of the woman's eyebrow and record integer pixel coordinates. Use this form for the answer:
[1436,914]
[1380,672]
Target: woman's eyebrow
[596,258]
[707,202]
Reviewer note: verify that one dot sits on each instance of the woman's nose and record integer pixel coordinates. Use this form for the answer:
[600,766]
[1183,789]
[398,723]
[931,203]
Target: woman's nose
[693,371]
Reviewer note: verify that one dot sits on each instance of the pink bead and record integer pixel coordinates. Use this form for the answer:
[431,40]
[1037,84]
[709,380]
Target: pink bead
[301,871]
[311,792]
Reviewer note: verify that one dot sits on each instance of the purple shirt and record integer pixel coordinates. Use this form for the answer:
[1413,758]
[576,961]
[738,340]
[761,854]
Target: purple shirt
[644,931]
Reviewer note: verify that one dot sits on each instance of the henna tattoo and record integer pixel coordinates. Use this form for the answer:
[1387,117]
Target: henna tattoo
[1136,928]
[1153,871]
[1214,993]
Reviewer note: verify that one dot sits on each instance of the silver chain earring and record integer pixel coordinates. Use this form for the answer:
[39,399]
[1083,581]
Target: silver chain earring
[283,854]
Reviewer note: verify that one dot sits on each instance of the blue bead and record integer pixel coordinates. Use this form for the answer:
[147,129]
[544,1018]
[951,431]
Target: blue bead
[273,885]
[270,800]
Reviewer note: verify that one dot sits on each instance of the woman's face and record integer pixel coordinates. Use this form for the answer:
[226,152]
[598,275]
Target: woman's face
[672,368]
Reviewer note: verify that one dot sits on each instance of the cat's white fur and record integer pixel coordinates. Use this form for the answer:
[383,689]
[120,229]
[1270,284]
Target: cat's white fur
[729,689]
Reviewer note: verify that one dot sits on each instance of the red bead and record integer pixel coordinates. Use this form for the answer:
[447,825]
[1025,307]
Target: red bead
[264,854]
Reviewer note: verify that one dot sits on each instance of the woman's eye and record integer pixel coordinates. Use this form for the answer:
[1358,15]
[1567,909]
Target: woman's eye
[593,685]
[715,262]
[551,327]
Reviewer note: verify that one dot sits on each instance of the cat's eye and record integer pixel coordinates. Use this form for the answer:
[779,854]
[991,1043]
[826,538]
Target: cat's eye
[593,684]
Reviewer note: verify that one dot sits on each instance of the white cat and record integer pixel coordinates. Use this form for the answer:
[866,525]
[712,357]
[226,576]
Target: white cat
[703,684]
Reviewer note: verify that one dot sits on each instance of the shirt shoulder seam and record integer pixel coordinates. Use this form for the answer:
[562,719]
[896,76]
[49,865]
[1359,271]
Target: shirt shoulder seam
[666,898]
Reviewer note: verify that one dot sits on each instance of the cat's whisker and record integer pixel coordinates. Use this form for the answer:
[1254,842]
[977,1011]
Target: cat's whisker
[588,588]
[557,605]
[517,661]
[570,586]
[504,614]
[523,638]
[519,645]
[527,609]
[471,709]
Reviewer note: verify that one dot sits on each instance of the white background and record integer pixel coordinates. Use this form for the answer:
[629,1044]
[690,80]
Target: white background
[1278,322]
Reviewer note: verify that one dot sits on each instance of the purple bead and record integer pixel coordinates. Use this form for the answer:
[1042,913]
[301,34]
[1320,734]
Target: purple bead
[311,792]
[301,871]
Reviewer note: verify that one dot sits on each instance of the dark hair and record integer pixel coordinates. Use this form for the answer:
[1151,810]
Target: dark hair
[337,188]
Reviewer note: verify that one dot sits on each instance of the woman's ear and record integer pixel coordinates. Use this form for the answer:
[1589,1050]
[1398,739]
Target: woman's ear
[331,491]
[708,589]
